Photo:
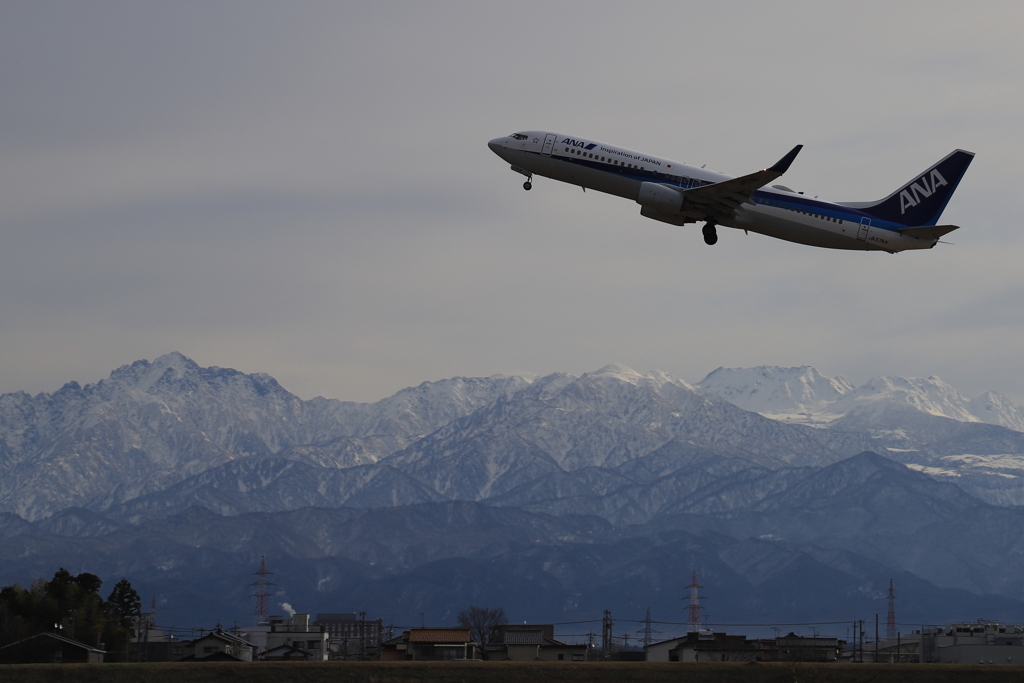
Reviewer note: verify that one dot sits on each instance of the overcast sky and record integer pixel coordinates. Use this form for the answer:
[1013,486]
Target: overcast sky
[304,189]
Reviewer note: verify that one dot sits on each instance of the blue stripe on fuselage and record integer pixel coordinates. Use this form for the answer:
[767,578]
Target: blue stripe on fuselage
[799,204]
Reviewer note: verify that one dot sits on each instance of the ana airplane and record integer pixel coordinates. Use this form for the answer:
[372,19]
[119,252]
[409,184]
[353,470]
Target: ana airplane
[676,193]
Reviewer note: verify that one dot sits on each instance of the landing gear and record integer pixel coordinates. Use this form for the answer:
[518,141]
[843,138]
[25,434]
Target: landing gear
[527,185]
[710,234]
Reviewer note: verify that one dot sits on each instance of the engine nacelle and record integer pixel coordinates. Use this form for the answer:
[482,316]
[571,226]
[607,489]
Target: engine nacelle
[670,218]
[660,198]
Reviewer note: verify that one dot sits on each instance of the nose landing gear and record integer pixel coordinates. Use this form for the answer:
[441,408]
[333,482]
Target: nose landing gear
[710,234]
[527,185]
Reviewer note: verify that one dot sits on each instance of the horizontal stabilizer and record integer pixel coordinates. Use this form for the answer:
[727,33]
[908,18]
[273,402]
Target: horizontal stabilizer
[929,231]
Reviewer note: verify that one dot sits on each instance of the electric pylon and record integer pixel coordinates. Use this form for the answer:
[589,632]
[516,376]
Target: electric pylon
[695,606]
[647,630]
[890,620]
[261,587]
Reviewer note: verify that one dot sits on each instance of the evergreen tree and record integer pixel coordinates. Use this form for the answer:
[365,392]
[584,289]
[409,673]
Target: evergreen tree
[124,603]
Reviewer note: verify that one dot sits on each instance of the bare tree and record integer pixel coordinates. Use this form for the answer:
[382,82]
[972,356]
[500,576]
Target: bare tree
[482,622]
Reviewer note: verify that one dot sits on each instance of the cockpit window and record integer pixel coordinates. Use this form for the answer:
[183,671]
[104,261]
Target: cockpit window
[518,136]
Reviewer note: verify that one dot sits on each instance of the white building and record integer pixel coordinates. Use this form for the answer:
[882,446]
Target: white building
[293,631]
[983,642]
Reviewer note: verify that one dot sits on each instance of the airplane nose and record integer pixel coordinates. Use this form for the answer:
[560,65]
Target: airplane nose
[495,145]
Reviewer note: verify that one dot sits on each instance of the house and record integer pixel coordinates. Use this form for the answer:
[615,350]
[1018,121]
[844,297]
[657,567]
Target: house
[287,653]
[430,644]
[703,646]
[708,646]
[50,648]
[794,648]
[218,642]
[526,643]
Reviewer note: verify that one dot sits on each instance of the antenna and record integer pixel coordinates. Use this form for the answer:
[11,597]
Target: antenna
[261,587]
[890,620]
[695,606]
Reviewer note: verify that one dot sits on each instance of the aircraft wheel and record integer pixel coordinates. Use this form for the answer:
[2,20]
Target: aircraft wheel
[710,234]
[527,185]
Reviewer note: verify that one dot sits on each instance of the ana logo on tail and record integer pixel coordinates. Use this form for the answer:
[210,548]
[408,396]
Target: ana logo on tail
[924,186]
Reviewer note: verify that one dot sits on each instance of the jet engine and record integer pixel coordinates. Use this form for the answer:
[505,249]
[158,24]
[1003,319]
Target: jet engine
[660,198]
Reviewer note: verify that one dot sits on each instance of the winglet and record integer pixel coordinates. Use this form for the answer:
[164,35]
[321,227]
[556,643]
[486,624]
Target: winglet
[782,165]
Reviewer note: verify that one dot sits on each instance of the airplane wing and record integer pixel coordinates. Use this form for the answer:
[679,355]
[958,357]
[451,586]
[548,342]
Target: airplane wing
[929,231]
[719,202]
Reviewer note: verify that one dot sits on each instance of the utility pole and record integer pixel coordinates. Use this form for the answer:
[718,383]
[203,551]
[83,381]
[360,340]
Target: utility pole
[606,635]
[362,636]
[876,637]
[862,640]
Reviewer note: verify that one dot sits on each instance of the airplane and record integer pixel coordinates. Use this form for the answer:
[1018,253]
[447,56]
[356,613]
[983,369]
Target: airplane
[678,194]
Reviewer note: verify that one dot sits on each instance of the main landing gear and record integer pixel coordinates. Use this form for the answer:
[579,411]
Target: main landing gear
[710,234]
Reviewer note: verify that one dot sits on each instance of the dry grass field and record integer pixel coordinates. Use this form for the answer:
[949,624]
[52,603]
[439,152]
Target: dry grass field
[505,672]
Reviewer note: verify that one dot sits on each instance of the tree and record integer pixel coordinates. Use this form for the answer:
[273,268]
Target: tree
[124,603]
[482,622]
[69,605]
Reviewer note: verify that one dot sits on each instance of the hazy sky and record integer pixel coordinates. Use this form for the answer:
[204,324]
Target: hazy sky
[304,189]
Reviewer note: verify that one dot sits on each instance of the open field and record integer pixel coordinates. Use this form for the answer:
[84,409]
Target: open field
[505,672]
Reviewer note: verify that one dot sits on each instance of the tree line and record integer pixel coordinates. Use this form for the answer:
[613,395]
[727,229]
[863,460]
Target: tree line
[73,607]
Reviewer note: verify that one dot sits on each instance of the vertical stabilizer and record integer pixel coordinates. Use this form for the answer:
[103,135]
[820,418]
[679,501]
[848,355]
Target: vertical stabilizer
[921,201]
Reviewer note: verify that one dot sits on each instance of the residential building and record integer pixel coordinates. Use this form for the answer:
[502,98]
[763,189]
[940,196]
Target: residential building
[219,645]
[430,644]
[709,646]
[528,643]
[794,648]
[50,648]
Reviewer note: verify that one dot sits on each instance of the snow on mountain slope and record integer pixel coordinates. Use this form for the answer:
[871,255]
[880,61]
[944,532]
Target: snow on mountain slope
[996,409]
[601,419]
[780,393]
[805,395]
[931,395]
[153,424]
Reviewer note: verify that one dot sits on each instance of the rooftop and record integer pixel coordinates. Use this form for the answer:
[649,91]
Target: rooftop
[439,635]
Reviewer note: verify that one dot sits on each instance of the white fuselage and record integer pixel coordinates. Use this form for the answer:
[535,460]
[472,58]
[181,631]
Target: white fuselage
[773,211]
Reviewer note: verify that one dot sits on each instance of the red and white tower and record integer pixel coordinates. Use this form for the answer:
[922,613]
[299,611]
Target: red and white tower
[695,606]
[890,619]
[261,588]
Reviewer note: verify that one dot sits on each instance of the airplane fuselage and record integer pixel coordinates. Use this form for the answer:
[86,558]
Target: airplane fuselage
[774,211]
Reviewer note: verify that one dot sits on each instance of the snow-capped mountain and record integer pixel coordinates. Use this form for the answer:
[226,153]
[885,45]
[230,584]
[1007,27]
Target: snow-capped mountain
[557,486]
[152,425]
[157,437]
[805,395]
[780,393]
